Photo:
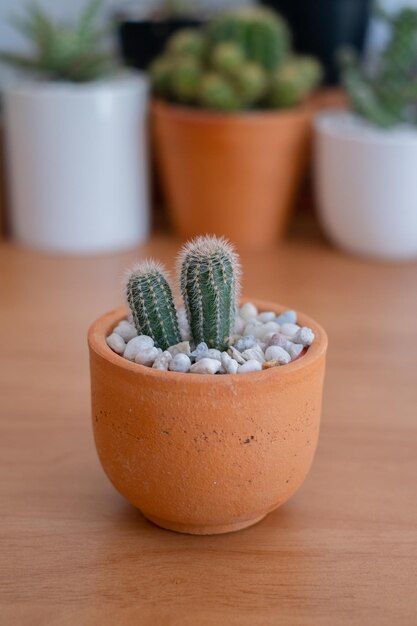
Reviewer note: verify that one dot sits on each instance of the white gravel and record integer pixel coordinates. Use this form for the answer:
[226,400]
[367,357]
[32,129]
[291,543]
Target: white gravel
[261,341]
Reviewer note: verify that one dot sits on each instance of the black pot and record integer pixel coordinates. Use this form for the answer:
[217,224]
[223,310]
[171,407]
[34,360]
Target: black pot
[141,41]
[321,27]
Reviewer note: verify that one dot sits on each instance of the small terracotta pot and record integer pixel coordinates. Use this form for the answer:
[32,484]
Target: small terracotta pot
[234,175]
[205,454]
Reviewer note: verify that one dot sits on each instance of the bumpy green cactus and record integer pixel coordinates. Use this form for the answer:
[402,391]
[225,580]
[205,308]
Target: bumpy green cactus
[152,305]
[227,57]
[160,73]
[241,60]
[261,33]
[61,52]
[293,81]
[217,92]
[209,278]
[189,41]
[387,95]
[250,81]
[185,79]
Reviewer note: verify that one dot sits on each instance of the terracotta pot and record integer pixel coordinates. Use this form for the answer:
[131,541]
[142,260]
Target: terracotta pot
[202,454]
[235,175]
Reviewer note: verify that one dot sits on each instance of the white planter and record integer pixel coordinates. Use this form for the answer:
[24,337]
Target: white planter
[366,182]
[78,164]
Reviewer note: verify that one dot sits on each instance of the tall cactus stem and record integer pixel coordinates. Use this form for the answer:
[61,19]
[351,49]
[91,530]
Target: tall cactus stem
[209,273]
[151,302]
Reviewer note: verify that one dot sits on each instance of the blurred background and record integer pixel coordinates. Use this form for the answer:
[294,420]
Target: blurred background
[103,137]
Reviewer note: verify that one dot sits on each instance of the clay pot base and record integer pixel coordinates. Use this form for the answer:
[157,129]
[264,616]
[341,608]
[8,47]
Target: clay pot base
[191,529]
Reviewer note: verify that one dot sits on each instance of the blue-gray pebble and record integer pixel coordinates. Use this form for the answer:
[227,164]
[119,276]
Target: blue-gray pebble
[288,317]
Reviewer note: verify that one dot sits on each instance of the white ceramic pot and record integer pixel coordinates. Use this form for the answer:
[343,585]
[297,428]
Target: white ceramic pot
[366,182]
[78,164]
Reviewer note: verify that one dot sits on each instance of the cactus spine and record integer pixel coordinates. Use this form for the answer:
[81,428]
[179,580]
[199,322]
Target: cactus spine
[152,305]
[209,273]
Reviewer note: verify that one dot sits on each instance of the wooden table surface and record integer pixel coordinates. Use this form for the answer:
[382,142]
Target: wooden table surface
[342,551]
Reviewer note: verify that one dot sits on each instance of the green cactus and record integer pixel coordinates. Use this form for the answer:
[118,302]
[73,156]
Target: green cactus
[387,95]
[293,82]
[188,41]
[241,60]
[152,305]
[260,32]
[400,54]
[209,278]
[251,82]
[61,52]
[217,92]
[185,79]
[160,73]
[227,57]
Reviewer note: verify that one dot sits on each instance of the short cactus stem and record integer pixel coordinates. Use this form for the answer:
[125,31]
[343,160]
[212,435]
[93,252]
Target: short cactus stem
[152,305]
[209,278]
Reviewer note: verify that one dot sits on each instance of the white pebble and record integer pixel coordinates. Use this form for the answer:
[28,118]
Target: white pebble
[255,353]
[183,325]
[212,353]
[201,348]
[147,356]
[239,325]
[304,336]
[116,343]
[248,310]
[287,317]
[289,330]
[245,342]
[249,366]
[252,328]
[180,348]
[294,350]
[180,363]
[266,316]
[229,365]
[126,330]
[236,355]
[137,344]
[206,366]
[267,329]
[162,361]
[276,353]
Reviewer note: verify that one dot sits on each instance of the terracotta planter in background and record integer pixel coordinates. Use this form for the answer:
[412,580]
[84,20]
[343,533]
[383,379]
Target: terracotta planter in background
[234,175]
[205,454]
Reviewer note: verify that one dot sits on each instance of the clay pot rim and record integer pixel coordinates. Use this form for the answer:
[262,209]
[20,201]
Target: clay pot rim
[99,330]
[193,114]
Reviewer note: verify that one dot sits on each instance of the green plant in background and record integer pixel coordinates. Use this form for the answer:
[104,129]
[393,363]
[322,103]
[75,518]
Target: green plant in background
[62,52]
[152,305]
[261,33]
[188,41]
[241,60]
[208,275]
[293,81]
[387,95]
[209,279]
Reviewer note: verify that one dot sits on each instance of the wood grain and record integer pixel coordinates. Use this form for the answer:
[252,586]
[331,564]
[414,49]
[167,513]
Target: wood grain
[342,551]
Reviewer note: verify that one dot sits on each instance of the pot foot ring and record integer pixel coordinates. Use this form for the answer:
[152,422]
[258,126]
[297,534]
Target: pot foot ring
[192,529]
